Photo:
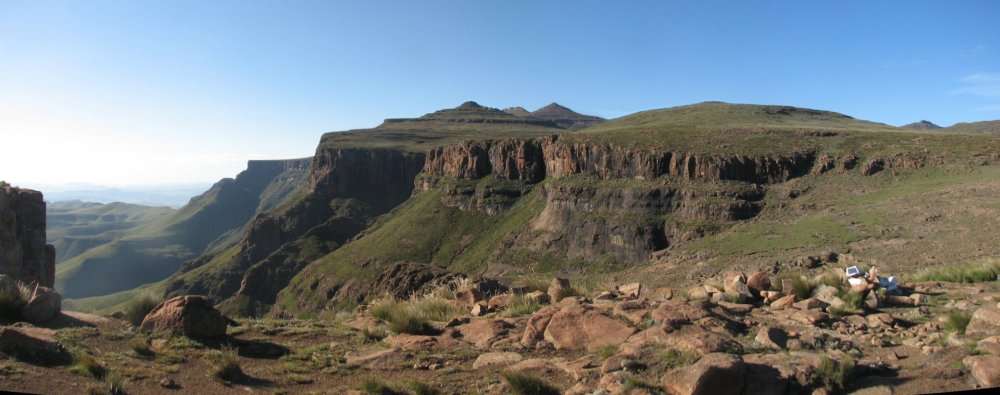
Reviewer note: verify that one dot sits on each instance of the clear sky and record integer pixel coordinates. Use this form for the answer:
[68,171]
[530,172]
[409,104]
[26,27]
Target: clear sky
[143,92]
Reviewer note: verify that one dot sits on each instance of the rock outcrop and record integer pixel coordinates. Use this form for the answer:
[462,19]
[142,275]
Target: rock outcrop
[24,256]
[190,315]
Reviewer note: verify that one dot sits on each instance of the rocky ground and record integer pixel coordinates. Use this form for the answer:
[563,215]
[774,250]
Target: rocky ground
[747,335]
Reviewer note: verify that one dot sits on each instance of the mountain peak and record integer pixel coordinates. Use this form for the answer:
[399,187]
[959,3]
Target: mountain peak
[517,111]
[922,125]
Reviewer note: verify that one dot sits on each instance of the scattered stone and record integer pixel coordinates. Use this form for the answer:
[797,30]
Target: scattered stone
[633,310]
[169,384]
[811,317]
[469,296]
[378,357]
[784,302]
[409,342]
[737,308]
[919,299]
[191,315]
[737,287]
[985,369]
[715,374]
[985,322]
[880,320]
[630,290]
[617,363]
[605,296]
[484,332]
[675,314]
[538,296]
[558,288]
[44,305]
[828,295]
[501,301]
[774,338]
[664,293]
[899,300]
[811,304]
[496,360]
[989,345]
[479,309]
[698,293]
[759,282]
[534,328]
[577,327]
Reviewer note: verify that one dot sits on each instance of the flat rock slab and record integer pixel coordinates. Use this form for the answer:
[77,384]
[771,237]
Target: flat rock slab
[496,359]
[985,369]
[31,343]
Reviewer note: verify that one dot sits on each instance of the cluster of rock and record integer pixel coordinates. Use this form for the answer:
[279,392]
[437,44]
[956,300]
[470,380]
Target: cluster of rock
[23,252]
[632,328]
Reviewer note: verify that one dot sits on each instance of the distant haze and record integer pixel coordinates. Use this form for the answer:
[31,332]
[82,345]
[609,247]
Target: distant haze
[169,195]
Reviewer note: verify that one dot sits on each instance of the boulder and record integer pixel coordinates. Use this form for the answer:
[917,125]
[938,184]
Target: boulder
[883,320]
[989,345]
[629,291]
[633,310]
[774,338]
[765,379]
[697,293]
[484,332]
[479,309]
[538,296]
[559,288]
[811,317]
[664,293]
[784,302]
[828,295]
[534,328]
[30,343]
[899,300]
[737,308]
[737,286]
[985,322]
[713,374]
[810,304]
[189,315]
[675,314]
[44,305]
[469,296]
[496,360]
[578,327]
[408,342]
[759,282]
[501,301]
[985,369]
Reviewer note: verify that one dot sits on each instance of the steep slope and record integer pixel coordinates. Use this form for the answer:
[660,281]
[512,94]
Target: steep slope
[75,226]
[24,256]
[154,251]
[922,125]
[356,176]
[653,193]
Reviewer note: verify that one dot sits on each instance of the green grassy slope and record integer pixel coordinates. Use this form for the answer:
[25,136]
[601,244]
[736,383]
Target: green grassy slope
[884,216]
[74,227]
[986,127]
[154,251]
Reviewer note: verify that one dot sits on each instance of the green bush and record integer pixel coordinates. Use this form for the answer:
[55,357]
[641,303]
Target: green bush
[137,310]
[957,321]
[834,375]
[525,384]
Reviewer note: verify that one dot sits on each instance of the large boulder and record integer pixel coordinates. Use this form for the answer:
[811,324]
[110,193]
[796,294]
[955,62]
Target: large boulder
[758,282]
[713,374]
[189,315]
[985,369]
[578,327]
[984,322]
[534,328]
[44,305]
[30,343]
[559,288]
[484,332]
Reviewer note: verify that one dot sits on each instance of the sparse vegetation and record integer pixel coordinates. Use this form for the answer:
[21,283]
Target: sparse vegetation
[521,305]
[421,388]
[137,310]
[525,384]
[607,350]
[801,287]
[956,321]
[140,346]
[633,382]
[413,315]
[12,299]
[834,375]
[86,365]
[675,359]
[374,386]
[985,271]
[114,384]
[227,365]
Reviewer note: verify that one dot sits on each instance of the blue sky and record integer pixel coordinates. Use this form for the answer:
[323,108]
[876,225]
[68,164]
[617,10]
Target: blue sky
[142,92]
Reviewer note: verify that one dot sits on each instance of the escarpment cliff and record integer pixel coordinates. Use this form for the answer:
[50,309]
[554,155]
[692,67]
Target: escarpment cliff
[24,256]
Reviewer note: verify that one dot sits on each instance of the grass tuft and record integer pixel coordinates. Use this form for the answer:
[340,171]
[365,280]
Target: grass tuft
[956,321]
[525,384]
[413,315]
[137,310]
[675,359]
[421,388]
[12,299]
[834,375]
[521,306]
[607,350]
[140,346]
[227,366]
[802,288]
[986,271]
[374,386]
[86,365]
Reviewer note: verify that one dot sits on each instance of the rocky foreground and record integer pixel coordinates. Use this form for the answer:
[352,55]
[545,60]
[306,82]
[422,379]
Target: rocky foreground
[749,335]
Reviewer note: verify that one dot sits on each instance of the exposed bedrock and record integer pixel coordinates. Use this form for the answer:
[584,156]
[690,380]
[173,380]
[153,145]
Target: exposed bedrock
[24,256]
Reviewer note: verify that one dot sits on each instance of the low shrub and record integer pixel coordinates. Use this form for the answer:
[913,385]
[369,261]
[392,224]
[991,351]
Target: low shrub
[525,384]
[137,310]
[834,375]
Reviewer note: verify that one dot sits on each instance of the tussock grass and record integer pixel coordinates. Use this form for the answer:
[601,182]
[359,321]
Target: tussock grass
[140,346]
[86,365]
[413,315]
[834,375]
[521,305]
[136,311]
[374,386]
[956,321]
[227,365]
[607,350]
[421,388]
[801,287]
[854,303]
[525,384]
[114,384]
[986,271]
[633,382]
[674,359]
[12,299]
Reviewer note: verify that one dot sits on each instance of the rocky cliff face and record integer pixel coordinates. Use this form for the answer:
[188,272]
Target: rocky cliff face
[23,252]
